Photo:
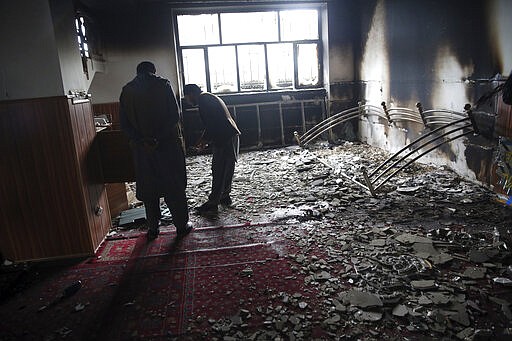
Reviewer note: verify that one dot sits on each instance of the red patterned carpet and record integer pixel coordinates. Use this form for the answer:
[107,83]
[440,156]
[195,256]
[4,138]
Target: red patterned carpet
[158,290]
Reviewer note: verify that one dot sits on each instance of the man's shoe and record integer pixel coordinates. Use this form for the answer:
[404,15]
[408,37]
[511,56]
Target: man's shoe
[152,234]
[182,232]
[207,207]
[226,201]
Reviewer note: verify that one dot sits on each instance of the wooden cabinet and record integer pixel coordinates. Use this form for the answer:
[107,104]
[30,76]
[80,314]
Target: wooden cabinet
[53,200]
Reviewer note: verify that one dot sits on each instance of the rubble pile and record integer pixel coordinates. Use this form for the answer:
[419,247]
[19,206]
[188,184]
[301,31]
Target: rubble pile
[427,258]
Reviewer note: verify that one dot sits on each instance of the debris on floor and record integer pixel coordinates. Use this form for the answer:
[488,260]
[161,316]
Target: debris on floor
[428,256]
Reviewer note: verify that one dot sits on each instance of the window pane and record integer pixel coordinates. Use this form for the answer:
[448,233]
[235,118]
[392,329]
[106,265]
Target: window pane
[307,64]
[251,63]
[199,29]
[249,27]
[280,65]
[299,24]
[194,67]
[222,64]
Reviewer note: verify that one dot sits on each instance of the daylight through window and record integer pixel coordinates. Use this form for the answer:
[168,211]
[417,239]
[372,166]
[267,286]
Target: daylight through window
[251,51]
[83,44]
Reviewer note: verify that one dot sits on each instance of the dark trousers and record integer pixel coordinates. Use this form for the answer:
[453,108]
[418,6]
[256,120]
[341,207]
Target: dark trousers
[223,168]
[176,204]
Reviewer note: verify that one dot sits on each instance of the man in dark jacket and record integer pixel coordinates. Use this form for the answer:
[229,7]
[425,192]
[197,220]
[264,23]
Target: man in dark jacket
[221,129]
[150,117]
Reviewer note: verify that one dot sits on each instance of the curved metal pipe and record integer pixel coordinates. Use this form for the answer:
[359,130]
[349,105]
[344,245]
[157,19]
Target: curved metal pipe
[330,126]
[414,142]
[405,110]
[418,148]
[416,158]
[457,113]
[324,126]
[328,120]
[364,110]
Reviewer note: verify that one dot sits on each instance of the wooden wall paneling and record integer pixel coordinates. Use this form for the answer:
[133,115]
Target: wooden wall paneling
[39,182]
[46,189]
[111,109]
[117,198]
[94,193]
[116,157]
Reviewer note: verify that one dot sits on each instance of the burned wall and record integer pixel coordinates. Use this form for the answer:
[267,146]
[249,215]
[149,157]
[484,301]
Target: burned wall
[343,40]
[132,33]
[440,55]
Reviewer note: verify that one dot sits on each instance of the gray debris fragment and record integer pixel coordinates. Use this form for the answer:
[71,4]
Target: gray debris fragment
[361,299]
[503,281]
[370,316]
[465,333]
[424,284]
[400,310]
[475,273]
[322,276]
[408,238]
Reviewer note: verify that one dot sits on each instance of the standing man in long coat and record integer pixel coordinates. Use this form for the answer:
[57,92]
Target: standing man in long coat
[221,129]
[150,117]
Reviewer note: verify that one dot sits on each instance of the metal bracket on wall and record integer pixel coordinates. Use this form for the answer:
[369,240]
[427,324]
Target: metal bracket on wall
[78,96]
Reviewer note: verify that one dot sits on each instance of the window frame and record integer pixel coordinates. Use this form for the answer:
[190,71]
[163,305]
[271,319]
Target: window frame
[268,89]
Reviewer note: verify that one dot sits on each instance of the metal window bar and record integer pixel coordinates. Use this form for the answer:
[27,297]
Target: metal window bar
[319,102]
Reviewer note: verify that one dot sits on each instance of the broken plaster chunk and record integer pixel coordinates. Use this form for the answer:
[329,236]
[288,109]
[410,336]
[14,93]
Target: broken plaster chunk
[361,299]
[438,297]
[482,255]
[369,316]
[400,310]
[333,319]
[79,307]
[322,276]
[338,306]
[459,315]
[441,258]
[408,190]
[474,273]
[378,242]
[424,250]
[408,238]
[465,333]
[247,272]
[503,281]
[424,300]
[424,284]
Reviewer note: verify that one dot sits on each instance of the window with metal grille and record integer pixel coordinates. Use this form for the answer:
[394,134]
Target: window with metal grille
[258,51]
[83,43]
